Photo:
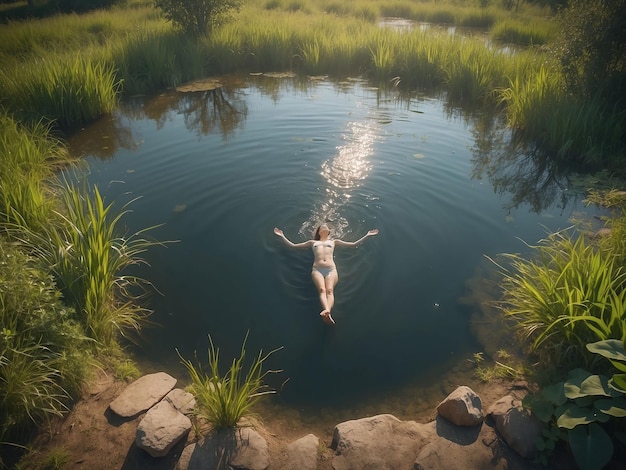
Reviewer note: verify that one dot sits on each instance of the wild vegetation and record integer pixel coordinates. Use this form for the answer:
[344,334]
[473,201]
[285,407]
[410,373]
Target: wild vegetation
[60,245]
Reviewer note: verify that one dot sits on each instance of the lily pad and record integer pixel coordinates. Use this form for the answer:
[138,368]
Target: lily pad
[205,84]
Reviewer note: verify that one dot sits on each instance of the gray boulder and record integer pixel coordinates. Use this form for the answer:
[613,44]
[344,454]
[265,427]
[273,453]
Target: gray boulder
[181,400]
[517,425]
[378,442]
[302,454]
[462,407]
[142,394]
[161,428]
[240,448]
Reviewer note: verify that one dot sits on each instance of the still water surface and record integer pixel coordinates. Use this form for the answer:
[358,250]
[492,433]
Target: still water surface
[221,169]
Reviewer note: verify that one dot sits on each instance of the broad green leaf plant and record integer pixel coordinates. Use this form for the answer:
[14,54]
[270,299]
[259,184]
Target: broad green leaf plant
[586,410]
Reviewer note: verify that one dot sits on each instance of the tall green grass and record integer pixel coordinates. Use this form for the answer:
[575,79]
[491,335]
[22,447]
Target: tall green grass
[30,158]
[89,258]
[573,129]
[522,33]
[64,89]
[42,362]
[222,400]
[567,295]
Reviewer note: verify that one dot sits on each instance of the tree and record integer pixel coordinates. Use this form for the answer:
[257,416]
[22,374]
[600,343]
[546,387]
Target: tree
[592,49]
[198,17]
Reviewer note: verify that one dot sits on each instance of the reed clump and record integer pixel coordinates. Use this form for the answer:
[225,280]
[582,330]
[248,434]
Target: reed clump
[66,90]
[569,294]
[223,399]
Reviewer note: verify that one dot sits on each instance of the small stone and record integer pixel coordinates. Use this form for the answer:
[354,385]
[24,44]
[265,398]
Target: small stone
[462,407]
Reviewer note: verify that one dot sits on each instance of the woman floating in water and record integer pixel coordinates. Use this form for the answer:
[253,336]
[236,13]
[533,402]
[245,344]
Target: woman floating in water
[324,272]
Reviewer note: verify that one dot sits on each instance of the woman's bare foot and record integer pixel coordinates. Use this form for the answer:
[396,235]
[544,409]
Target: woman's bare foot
[327,317]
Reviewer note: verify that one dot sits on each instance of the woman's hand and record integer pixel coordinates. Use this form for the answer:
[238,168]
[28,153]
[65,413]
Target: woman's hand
[278,232]
[371,233]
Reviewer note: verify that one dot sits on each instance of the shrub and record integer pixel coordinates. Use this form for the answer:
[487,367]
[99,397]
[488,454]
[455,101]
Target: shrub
[42,349]
[198,17]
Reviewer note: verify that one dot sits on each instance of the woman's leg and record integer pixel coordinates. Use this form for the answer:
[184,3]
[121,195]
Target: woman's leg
[330,282]
[318,280]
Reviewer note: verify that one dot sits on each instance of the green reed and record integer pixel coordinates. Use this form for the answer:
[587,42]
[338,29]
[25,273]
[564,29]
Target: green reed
[522,33]
[568,295]
[30,158]
[65,89]
[537,106]
[222,400]
[149,62]
[89,259]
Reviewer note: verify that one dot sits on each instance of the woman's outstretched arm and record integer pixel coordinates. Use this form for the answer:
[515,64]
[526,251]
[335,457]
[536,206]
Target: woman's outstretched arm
[371,233]
[280,233]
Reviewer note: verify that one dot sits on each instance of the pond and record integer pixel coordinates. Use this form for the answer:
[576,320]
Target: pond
[220,169]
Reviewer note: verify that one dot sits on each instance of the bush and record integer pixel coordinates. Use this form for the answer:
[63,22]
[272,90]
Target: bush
[42,348]
[198,17]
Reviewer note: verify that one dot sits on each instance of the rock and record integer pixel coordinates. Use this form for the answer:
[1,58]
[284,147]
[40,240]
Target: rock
[181,400]
[465,447]
[517,425]
[240,448]
[381,441]
[462,407]
[142,394]
[302,454]
[161,428]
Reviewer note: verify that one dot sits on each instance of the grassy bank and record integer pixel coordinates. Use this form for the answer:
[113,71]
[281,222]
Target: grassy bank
[133,51]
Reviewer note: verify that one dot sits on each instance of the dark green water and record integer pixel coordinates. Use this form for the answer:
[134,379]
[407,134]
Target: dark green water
[220,170]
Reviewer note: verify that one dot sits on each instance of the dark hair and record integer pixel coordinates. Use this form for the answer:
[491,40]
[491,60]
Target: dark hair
[317,231]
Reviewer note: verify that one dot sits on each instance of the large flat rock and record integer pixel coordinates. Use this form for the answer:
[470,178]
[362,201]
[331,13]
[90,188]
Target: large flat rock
[142,394]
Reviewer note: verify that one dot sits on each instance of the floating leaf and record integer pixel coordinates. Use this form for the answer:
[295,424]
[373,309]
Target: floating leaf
[180,207]
[591,446]
[205,84]
[419,155]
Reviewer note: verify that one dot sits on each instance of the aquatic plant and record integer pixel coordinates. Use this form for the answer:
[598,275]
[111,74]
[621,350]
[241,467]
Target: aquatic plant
[30,158]
[568,295]
[65,89]
[222,400]
[88,258]
[522,33]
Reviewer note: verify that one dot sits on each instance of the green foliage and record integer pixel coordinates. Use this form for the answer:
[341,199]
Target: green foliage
[521,33]
[592,47]
[30,157]
[68,90]
[586,409]
[569,295]
[198,17]
[43,352]
[222,400]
